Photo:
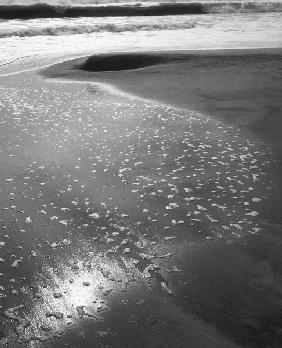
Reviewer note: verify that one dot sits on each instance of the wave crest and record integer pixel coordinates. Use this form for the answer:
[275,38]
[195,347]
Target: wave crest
[93,28]
[162,9]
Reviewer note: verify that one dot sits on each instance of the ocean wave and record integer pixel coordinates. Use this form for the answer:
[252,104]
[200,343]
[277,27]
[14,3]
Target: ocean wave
[57,30]
[161,9]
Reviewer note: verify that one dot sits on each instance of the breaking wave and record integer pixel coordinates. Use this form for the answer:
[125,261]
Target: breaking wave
[56,30]
[162,9]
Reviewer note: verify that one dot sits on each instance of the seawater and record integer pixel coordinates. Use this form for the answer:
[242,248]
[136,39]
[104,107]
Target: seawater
[44,41]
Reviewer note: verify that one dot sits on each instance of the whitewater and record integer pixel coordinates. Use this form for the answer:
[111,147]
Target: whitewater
[37,42]
[26,44]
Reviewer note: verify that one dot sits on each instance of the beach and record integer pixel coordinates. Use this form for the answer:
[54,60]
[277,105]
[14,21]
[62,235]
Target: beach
[141,191]
[221,83]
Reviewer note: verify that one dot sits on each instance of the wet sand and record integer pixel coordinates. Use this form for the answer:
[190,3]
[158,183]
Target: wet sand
[130,223]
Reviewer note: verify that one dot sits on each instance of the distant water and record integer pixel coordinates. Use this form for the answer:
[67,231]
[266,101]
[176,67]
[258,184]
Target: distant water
[22,11]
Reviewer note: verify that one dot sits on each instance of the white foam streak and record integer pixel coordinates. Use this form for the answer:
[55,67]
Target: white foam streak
[86,25]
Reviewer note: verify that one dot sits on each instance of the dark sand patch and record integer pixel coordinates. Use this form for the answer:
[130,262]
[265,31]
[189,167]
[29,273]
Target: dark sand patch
[237,287]
[117,62]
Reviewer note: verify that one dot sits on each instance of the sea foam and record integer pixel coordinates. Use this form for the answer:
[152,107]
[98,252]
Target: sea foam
[66,28]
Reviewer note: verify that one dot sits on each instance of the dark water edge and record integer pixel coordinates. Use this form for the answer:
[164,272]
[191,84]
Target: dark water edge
[42,10]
